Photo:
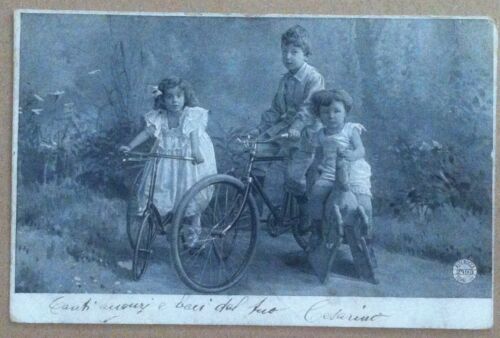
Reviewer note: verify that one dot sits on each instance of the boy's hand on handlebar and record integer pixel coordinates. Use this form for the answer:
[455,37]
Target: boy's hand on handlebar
[293,134]
[254,133]
[125,149]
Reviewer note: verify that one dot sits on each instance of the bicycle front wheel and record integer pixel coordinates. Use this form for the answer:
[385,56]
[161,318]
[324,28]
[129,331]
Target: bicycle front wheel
[214,234]
[134,221]
[143,248]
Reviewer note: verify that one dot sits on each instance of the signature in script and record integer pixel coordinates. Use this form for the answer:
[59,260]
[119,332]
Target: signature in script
[329,311]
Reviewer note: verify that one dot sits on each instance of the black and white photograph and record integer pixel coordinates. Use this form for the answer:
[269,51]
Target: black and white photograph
[174,168]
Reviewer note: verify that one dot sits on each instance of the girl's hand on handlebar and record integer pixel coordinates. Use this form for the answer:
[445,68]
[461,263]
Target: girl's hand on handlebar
[125,149]
[198,158]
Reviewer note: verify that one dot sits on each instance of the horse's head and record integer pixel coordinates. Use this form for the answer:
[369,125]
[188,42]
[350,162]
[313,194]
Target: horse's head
[342,172]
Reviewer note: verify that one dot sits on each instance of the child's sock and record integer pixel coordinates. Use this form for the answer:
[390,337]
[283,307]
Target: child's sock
[305,218]
[316,235]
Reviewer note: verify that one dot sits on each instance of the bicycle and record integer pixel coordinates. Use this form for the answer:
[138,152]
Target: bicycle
[151,223]
[229,225]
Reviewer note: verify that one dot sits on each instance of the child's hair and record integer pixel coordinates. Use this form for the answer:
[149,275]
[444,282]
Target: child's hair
[297,36]
[328,97]
[190,99]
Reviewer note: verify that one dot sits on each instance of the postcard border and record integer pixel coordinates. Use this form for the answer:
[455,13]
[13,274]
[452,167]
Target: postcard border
[15,298]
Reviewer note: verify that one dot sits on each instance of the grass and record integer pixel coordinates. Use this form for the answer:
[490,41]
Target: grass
[447,235]
[29,279]
[65,221]
[70,224]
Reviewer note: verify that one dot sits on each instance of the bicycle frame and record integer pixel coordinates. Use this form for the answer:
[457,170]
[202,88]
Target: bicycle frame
[252,183]
[149,204]
[156,157]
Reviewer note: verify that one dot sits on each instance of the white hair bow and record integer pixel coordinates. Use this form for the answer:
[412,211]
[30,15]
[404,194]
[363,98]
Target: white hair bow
[155,91]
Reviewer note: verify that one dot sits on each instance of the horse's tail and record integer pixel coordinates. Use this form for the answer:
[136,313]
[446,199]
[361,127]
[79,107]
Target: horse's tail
[338,219]
[364,219]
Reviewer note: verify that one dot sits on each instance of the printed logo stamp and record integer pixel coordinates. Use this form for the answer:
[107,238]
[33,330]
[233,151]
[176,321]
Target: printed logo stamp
[464,271]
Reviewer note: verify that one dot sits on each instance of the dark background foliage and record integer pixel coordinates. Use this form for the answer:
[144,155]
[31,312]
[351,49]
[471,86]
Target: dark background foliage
[423,89]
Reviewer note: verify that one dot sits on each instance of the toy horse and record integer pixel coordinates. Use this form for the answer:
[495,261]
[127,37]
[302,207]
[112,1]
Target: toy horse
[344,219]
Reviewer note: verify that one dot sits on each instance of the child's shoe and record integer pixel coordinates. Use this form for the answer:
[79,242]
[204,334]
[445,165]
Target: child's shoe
[315,239]
[371,252]
[192,236]
[304,225]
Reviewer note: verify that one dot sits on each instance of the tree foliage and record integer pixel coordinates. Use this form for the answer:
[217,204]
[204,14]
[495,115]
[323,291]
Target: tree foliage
[414,82]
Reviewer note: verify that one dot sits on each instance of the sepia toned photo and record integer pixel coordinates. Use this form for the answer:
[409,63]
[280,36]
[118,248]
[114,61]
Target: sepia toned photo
[273,170]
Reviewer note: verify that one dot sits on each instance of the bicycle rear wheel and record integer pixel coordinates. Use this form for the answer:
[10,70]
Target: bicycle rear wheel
[226,234]
[143,248]
[134,217]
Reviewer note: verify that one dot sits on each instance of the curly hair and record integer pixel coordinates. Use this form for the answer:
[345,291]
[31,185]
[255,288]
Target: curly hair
[297,36]
[328,97]
[190,99]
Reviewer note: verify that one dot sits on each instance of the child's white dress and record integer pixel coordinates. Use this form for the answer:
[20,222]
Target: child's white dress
[359,170]
[175,177]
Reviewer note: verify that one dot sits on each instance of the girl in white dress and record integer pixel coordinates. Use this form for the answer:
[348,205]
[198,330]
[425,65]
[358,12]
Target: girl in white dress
[179,128]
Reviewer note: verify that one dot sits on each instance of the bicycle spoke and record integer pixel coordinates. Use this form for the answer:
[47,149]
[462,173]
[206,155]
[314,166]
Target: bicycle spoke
[214,208]
[192,256]
[227,196]
[227,213]
[223,268]
[207,260]
[193,259]
[187,250]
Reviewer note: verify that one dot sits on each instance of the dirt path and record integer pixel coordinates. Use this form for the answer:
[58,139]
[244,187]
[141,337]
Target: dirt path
[278,268]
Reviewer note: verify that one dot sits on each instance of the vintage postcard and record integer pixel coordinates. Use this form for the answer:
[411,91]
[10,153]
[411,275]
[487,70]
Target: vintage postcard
[253,170]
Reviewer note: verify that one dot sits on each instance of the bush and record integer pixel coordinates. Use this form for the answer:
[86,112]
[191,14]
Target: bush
[435,176]
[103,169]
[448,235]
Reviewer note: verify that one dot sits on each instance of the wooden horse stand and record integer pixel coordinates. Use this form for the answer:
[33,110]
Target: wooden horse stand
[344,219]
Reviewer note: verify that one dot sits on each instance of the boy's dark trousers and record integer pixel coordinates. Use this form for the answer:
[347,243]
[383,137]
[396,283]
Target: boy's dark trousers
[294,169]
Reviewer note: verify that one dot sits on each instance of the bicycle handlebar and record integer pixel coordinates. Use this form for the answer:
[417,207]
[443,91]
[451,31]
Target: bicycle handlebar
[248,141]
[131,156]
